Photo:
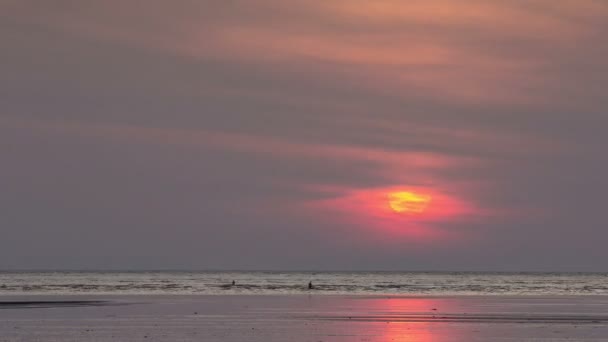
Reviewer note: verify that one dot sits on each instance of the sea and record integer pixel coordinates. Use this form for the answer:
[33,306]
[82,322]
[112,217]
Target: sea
[286,283]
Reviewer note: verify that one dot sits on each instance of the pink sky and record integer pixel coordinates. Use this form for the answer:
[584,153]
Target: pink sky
[254,124]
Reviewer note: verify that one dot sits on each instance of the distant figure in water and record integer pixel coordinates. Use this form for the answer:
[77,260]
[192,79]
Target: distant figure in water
[233,283]
[310,285]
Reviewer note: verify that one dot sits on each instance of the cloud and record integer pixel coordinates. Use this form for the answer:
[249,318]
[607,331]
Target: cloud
[472,52]
[283,118]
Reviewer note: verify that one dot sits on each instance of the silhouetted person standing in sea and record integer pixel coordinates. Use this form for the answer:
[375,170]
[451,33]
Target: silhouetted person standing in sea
[310,285]
[233,283]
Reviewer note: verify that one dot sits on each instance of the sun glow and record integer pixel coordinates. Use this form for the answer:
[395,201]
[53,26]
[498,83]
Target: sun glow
[415,212]
[408,202]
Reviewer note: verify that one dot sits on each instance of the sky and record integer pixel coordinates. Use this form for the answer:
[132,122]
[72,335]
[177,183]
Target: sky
[304,135]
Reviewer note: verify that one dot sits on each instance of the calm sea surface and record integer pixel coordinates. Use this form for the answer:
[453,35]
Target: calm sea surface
[356,283]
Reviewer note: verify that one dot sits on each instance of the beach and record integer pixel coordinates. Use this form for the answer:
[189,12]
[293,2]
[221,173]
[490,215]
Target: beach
[303,318]
[303,171]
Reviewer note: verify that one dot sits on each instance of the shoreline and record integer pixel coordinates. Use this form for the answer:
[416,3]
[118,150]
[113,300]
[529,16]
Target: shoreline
[5,296]
[303,318]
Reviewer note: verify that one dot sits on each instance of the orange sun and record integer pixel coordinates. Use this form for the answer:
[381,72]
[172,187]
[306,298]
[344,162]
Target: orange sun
[408,202]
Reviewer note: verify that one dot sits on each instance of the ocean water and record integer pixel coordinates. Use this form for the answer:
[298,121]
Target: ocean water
[342,283]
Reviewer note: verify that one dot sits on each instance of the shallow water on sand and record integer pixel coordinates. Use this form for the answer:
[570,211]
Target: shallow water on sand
[308,318]
[380,283]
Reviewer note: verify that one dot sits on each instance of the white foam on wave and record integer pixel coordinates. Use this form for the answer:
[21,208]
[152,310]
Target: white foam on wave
[261,283]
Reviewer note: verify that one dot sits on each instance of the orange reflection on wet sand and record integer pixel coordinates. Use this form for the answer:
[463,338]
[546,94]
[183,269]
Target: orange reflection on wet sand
[406,320]
[408,332]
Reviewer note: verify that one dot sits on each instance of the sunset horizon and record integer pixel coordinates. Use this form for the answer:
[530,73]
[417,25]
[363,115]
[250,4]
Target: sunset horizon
[296,170]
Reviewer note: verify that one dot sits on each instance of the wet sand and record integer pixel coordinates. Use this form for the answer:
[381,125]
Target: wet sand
[303,318]
[15,304]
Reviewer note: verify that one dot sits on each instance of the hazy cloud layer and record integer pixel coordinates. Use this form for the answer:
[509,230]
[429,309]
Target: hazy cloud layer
[265,134]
